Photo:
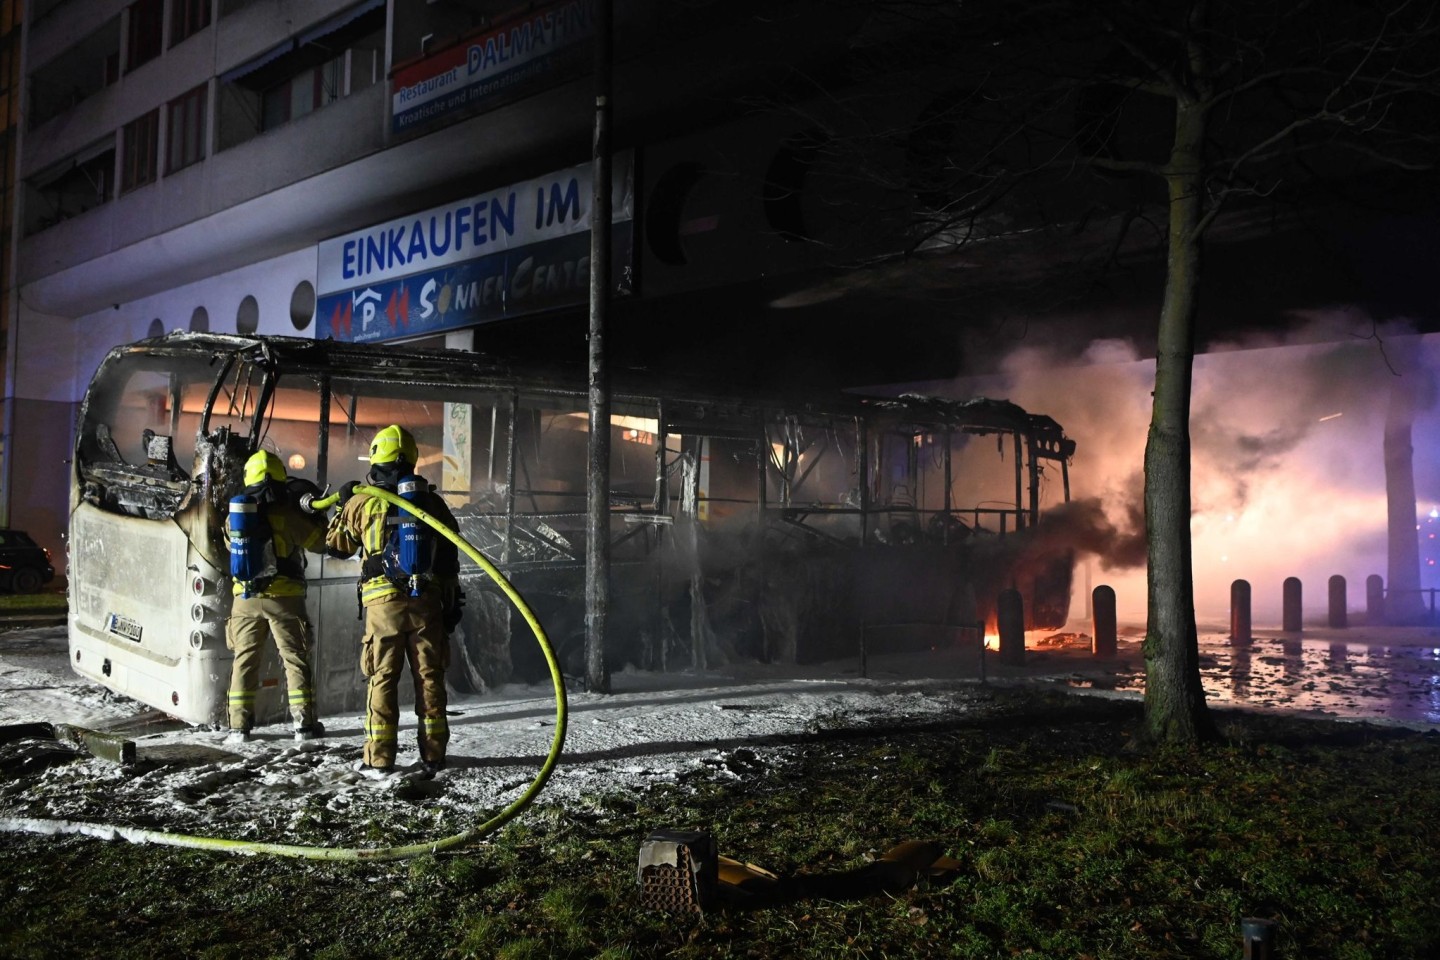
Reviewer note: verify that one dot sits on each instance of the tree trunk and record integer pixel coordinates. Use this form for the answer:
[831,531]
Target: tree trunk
[1175,711]
[1403,602]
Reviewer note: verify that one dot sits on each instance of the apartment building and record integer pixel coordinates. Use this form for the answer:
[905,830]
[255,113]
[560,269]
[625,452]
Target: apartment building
[307,167]
[10,35]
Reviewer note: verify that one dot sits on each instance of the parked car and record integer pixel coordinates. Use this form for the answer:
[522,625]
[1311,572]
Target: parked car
[24,565]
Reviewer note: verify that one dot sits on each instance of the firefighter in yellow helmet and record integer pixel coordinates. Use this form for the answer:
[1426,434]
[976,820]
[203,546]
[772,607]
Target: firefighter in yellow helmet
[268,571]
[408,612]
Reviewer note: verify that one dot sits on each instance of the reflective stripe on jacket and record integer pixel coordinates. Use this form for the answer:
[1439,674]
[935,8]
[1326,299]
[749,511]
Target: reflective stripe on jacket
[360,526]
[363,525]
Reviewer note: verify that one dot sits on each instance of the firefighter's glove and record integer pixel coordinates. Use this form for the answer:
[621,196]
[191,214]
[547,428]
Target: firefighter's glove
[347,490]
[454,610]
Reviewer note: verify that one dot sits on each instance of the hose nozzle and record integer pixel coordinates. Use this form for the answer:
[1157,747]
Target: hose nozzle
[312,504]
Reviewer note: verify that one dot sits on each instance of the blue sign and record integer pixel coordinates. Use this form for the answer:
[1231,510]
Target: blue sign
[543,276]
[517,250]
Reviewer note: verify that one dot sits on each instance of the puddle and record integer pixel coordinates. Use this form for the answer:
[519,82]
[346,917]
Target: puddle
[1367,678]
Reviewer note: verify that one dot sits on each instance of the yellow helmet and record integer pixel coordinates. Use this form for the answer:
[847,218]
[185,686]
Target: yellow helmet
[391,444]
[263,465]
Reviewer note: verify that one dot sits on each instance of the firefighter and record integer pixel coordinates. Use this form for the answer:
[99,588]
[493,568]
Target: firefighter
[408,612]
[270,601]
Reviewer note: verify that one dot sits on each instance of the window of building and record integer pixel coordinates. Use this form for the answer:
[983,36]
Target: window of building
[302,304]
[188,17]
[331,60]
[185,130]
[305,92]
[247,318]
[139,141]
[81,182]
[80,72]
[147,20]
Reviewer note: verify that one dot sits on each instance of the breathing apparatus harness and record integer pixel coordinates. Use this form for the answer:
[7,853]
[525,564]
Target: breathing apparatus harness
[408,556]
[254,561]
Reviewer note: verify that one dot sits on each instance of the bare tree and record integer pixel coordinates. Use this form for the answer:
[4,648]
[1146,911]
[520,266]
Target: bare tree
[1071,136]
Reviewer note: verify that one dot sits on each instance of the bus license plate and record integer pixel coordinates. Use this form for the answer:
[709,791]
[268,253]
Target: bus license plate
[124,627]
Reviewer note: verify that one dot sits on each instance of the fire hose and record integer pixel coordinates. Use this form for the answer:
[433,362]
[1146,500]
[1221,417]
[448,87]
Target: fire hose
[143,835]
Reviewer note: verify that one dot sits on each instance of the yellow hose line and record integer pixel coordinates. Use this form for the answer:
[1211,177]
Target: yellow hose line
[141,835]
[325,503]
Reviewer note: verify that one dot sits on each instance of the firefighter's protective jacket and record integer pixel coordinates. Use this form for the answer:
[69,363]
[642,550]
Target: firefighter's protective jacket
[365,524]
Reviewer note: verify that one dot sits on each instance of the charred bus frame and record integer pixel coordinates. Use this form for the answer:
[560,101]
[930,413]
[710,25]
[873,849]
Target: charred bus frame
[741,527]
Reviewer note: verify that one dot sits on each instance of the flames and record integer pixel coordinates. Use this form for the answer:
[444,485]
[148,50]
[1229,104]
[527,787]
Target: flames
[1037,639]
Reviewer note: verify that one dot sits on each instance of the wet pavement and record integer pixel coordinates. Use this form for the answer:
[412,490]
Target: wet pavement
[1395,679]
[1385,674]
[1388,674]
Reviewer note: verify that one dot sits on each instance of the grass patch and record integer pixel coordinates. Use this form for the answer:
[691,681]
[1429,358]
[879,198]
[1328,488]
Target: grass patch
[1071,847]
[51,601]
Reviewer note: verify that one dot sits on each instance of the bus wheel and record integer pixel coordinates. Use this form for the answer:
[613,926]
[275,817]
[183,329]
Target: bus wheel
[26,580]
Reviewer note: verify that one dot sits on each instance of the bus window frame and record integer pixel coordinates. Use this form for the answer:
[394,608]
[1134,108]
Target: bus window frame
[268,375]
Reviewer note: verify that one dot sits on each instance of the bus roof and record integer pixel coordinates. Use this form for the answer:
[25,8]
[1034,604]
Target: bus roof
[696,400]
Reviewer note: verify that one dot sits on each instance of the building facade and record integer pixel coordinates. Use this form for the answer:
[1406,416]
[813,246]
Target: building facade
[10,36]
[316,168]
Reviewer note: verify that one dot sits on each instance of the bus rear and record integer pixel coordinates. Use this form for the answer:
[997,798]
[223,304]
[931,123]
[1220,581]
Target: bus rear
[147,571]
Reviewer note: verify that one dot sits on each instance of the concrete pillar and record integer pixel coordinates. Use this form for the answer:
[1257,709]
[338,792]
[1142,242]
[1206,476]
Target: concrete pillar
[1338,618]
[1374,600]
[1240,631]
[1010,618]
[1291,604]
[1102,602]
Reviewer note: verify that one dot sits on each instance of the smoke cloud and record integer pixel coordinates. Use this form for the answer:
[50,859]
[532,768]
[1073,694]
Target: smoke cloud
[1084,525]
[1288,473]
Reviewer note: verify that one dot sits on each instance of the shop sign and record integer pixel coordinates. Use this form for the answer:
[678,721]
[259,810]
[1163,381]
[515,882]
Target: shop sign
[542,46]
[511,252]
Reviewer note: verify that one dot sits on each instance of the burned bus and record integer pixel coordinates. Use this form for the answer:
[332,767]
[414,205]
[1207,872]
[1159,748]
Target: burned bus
[741,527]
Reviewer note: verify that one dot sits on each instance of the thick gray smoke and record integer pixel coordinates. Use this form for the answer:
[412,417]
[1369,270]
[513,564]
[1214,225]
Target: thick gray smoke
[1084,526]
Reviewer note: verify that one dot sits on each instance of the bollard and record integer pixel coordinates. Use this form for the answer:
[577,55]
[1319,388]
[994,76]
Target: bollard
[1240,631]
[1010,619]
[1338,619]
[1374,600]
[979,628]
[1102,602]
[1258,936]
[1291,604]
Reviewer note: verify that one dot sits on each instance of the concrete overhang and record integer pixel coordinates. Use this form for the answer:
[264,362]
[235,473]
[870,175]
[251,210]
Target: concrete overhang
[385,184]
